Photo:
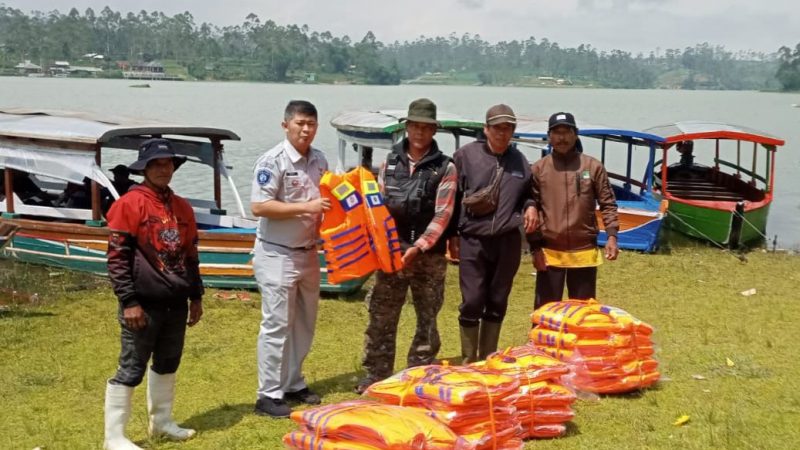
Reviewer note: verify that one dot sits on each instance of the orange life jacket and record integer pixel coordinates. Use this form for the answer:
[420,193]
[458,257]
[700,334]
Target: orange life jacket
[358,234]
[380,224]
[345,239]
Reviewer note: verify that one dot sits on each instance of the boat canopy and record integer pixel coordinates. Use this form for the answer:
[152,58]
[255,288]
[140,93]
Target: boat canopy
[388,121]
[64,144]
[691,130]
[68,165]
[536,129]
[384,128]
[84,128]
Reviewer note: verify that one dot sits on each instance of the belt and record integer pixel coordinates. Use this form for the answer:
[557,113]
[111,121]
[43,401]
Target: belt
[308,247]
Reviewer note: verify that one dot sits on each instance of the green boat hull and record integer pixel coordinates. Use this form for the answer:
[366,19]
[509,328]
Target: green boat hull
[53,254]
[716,225]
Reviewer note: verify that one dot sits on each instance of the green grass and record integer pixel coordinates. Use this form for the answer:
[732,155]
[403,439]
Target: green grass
[57,354]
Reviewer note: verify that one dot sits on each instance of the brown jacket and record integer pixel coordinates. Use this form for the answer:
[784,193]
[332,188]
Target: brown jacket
[566,189]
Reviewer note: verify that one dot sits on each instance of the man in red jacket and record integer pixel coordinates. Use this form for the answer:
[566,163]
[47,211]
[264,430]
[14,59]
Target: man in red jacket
[154,269]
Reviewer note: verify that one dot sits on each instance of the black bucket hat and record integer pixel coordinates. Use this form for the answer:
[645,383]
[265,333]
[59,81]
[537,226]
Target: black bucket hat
[155,148]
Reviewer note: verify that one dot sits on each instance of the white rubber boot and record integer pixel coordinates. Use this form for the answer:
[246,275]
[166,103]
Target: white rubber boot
[117,413]
[160,396]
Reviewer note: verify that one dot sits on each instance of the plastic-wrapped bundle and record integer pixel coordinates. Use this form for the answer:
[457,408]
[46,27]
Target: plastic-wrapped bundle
[363,424]
[304,440]
[598,356]
[540,400]
[586,341]
[545,430]
[608,350]
[527,363]
[572,316]
[463,418]
[616,385]
[453,386]
[474,403]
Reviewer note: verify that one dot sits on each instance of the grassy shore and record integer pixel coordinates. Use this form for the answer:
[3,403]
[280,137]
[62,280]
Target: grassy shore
[729,362]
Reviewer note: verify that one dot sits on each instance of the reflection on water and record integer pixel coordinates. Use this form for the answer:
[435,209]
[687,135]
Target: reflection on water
[255,110]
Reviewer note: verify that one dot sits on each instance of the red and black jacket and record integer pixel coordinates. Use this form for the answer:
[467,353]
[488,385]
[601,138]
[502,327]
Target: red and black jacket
[152,249]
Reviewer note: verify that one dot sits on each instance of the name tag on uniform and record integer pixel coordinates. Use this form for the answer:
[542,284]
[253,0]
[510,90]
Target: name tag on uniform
[292,174]
[517,174]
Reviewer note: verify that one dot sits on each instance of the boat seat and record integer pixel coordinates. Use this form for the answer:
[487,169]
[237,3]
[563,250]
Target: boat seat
[691,183]
[708,196]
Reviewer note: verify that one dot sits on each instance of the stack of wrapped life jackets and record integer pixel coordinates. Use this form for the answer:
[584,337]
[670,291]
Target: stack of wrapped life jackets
[358,234]
[368,425]
[543,403]
[477,405]
[608,350]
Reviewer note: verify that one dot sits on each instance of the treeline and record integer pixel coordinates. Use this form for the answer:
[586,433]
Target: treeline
[266,51]
[789,70]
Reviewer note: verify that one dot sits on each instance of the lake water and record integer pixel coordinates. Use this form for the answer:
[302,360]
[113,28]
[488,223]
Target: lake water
[254,111]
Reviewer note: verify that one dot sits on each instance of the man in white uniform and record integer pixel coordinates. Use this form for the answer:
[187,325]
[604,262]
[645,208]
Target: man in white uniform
[285,197]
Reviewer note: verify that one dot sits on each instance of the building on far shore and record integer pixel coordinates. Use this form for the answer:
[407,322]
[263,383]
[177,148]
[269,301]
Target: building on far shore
[152,70]
[30,69]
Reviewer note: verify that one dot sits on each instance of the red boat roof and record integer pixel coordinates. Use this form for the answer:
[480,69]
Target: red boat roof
[691,130]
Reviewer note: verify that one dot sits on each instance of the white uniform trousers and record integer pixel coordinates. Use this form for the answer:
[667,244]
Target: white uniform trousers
[289,284]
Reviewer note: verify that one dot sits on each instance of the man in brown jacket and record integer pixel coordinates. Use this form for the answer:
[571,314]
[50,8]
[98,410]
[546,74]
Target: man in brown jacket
[567,187]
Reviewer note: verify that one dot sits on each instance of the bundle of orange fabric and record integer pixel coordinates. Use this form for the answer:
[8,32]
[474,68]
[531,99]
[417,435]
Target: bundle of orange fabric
[358,234]
[608,350]
[475,404]
[543,404]
[367,425]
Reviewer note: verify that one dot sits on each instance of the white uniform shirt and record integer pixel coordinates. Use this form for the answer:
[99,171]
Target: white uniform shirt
[283,174]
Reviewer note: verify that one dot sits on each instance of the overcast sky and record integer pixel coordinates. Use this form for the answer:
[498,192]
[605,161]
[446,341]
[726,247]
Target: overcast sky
[632,25]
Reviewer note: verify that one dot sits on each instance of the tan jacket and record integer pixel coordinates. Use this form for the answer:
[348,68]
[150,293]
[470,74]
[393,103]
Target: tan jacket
[566,190]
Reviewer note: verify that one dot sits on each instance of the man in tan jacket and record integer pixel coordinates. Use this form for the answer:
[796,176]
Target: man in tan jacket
[567,187]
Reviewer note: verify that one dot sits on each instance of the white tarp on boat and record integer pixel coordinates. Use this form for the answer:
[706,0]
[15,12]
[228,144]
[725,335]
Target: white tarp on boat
[67,165]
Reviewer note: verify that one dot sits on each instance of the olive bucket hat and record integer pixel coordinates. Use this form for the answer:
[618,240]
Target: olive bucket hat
[155,148]
[421,110]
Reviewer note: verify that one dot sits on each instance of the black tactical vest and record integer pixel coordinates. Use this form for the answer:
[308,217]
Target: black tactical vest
[411,199]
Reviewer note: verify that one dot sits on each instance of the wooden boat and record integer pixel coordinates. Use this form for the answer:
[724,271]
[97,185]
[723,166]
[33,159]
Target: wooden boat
[622,152]
[369,130]
[728,201]
[7,231]
[43,151]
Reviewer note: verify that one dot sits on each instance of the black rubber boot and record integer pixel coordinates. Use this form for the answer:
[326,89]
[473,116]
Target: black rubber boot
[490,335]
[469,344]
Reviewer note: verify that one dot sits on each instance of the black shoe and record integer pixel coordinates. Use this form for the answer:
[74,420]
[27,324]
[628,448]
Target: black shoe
[363,385]
[304,395]
[274,407]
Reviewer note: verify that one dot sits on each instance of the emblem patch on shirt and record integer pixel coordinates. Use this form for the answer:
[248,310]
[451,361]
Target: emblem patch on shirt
[585,175]
[263,176]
